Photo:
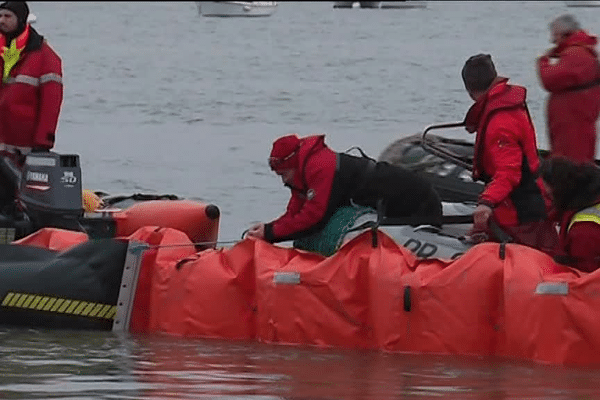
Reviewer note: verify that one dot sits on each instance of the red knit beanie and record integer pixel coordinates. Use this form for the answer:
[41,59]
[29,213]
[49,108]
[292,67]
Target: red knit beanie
[284,154]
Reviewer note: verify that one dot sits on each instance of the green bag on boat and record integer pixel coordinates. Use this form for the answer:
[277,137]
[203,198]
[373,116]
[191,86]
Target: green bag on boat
[328,240]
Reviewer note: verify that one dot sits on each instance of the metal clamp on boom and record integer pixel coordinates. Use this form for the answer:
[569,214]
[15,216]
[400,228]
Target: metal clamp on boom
[131,271]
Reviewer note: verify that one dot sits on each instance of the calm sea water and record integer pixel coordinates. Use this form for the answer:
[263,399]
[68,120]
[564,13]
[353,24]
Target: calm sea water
[159,99]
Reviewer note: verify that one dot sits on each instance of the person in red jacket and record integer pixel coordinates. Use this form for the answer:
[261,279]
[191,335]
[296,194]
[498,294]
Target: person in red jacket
[321,181]
[505,159]
[575,191]
[571,73]
[31,90]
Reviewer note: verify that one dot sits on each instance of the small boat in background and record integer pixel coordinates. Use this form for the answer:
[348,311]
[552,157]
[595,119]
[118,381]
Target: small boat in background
[236,8]
[404,4]
[584,3]
[380,4]
[31,18]
[358,4]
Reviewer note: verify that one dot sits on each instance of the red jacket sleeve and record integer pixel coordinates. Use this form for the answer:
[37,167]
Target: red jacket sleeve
[583,243]
[576,66]
[505,155]
[304,213]
[51,97]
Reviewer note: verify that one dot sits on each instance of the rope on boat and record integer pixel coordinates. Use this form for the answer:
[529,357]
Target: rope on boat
[146,246]
[156,246]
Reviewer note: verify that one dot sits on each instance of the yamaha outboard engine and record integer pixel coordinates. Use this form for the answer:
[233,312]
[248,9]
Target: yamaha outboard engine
[49,191]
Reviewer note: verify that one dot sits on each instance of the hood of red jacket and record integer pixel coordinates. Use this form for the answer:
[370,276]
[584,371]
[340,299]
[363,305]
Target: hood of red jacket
[308,146]
[500,95]
[578,38]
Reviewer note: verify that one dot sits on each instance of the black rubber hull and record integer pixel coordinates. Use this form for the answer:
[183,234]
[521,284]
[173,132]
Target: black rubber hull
[452,182]
[75,289]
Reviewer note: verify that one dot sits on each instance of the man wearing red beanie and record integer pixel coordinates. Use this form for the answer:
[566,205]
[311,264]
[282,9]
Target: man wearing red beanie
[321,181]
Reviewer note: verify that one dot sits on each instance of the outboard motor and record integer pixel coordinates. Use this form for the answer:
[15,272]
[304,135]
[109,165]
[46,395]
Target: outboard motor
[13,224]
[49,191]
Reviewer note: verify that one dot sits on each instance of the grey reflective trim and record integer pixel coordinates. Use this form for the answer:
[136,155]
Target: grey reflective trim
[555,288]
[590,214]
[286,278]
[51,77]
[30,80]
[593,210]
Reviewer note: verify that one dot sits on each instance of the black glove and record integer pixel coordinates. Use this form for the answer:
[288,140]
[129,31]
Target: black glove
[39,150]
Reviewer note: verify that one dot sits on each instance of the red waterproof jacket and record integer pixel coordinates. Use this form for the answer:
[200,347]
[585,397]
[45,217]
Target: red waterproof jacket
[505,139]
[31,98]
[580,241]
[573,105]
[311,191]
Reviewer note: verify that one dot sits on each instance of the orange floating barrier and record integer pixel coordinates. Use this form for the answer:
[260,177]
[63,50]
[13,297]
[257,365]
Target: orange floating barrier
[495,300]
[551,311]
[207,294]
[198,220]
[53,239]
[305,298]
[435,306]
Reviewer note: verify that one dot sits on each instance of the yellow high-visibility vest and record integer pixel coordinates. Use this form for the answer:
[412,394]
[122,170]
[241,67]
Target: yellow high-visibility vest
[590,214]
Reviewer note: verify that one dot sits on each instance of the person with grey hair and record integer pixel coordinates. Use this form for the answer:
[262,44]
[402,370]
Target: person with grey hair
[570,71]
[506,159]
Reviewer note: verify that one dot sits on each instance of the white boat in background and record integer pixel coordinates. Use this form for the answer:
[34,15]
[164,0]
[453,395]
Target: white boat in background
[380,4]
[404,4]
[236,8]
[31,18]
[356,4]
[583,3]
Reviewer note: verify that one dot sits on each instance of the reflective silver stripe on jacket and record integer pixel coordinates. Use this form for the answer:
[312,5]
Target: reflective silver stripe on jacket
[30,80]
[51,77]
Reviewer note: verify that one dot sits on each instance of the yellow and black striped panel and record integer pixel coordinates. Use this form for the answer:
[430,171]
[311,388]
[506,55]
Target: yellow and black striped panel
[59,305]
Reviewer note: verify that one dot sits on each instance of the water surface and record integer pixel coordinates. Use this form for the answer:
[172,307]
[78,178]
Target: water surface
[159,99]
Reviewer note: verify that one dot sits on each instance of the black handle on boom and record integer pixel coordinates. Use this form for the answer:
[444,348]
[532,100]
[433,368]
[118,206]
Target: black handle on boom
[10,170]
[429,146]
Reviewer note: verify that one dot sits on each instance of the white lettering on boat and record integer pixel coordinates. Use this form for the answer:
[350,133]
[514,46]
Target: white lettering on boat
[37,176]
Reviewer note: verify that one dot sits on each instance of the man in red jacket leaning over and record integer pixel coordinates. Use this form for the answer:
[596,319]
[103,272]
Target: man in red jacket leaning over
[31,90]
[506,158]
[571,73]
[322,180]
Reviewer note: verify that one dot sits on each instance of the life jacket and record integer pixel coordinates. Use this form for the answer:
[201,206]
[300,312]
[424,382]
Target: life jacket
[10,53]
[479,115]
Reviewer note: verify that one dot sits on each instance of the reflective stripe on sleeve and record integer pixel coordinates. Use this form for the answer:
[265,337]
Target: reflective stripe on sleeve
[51,77]
[30,80]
